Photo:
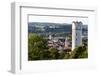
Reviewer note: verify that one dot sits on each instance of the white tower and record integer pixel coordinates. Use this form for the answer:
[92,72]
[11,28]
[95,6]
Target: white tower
[50,37]
[76,34]
[66,43]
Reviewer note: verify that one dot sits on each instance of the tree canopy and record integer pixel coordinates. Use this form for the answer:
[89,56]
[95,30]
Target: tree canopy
[38,50]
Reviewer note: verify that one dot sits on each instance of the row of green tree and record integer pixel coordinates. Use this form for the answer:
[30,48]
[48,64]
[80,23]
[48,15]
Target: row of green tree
[38,50]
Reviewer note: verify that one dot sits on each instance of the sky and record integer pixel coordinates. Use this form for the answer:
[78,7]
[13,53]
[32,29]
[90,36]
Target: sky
[52,19]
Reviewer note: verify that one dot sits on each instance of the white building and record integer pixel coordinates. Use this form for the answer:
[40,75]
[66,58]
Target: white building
[76,34]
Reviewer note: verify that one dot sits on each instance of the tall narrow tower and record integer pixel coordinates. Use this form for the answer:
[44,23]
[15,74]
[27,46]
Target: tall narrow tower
[76,34]
[66,43]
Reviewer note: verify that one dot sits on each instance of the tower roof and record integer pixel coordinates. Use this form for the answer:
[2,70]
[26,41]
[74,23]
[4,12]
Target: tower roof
[76,24]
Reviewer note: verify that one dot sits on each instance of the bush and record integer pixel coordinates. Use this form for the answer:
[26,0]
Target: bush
[79,52]
[36,47]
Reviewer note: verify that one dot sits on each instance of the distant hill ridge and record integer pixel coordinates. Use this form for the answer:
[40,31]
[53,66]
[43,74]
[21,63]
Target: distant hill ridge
[51,27]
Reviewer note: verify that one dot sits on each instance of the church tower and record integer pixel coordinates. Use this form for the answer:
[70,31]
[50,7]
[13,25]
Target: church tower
[76,34]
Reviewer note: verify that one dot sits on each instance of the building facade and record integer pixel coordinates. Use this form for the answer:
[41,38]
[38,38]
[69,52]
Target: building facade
[76,34]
